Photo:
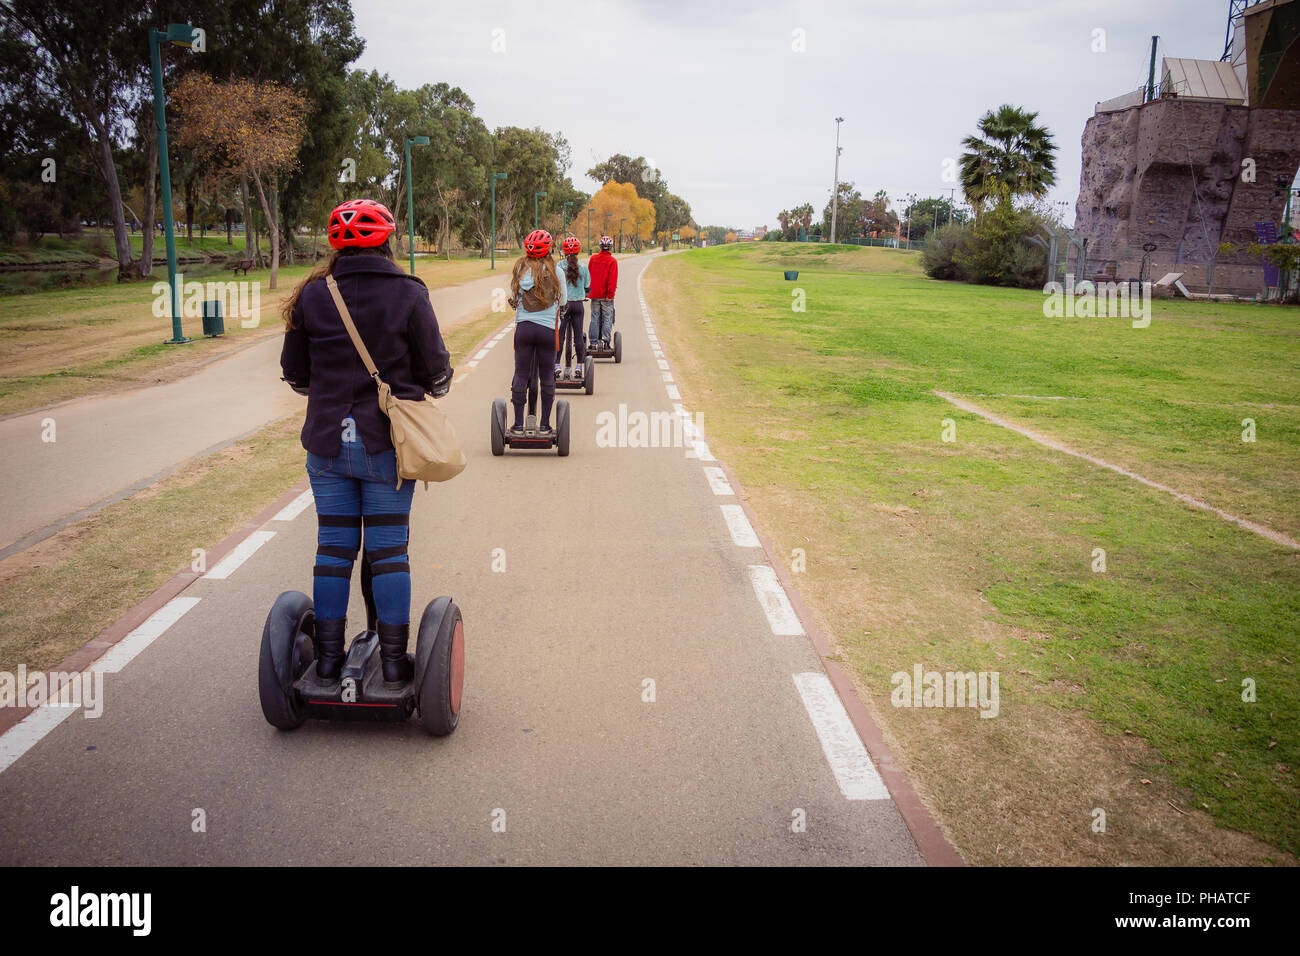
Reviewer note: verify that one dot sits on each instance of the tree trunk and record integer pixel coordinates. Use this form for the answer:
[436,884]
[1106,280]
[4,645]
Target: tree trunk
[189,209]
[248,215]
[230,217]
[272,227]
[109,170]
[150,206]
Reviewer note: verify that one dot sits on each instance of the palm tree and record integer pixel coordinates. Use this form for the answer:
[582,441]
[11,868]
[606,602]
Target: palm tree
[1012,156]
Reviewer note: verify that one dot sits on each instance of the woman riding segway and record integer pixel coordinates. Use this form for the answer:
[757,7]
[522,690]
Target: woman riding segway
[577,283]
[350,457]
[538,296]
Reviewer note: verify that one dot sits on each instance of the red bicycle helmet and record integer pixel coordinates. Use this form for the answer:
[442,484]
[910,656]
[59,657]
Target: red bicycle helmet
[571,246]
[360,222]
[537,244]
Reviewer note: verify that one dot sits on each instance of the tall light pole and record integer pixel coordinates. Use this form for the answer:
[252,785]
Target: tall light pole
[564,216]
[410,195]
[495,177]
[911,201]
[536,196]
[605,229]
[181,34]
[835,190]
[621,220]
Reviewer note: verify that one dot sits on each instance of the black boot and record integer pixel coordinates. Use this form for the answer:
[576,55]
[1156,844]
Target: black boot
[328,643]
[398,668]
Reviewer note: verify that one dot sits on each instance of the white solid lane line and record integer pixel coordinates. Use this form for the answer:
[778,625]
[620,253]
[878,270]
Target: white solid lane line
[780,615]
[849,760]
[295,507]
[742,532]
[243,551]
[717,480]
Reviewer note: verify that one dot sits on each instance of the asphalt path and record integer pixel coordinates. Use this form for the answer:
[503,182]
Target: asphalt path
[636,691]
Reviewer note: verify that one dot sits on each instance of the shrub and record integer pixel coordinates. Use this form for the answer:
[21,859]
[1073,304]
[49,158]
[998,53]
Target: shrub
[937,256]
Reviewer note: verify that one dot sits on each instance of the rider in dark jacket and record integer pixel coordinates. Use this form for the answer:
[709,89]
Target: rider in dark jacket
[350,458]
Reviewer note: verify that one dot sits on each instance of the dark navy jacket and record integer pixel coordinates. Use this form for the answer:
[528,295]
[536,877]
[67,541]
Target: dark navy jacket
[392,312]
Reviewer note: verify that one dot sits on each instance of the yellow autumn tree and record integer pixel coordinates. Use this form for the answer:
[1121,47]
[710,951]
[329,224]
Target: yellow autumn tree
[618,202]
[688,233]
[731,237]
[249,127]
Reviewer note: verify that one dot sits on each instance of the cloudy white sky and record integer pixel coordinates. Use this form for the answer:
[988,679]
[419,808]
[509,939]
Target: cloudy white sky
[741,123]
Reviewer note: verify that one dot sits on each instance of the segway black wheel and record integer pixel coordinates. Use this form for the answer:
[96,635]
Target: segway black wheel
[498,426]
[562,427]
[440,666]
[286,652]
[589,375]
[618,347]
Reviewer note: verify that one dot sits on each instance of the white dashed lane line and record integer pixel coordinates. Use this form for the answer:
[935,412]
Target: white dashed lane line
[742,532]
[295,507]
[856,775]
[29,731]
[780,615]
[717,480]
[242,552]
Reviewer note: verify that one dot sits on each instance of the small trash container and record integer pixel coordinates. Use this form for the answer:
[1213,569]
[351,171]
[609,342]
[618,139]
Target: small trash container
[213,324]
[791,274]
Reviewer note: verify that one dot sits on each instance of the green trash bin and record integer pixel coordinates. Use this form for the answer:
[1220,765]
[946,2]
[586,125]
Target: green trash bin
[213,323]
[791,274]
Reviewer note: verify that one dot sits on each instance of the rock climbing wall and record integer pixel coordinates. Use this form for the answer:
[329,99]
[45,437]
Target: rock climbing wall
[1170,173]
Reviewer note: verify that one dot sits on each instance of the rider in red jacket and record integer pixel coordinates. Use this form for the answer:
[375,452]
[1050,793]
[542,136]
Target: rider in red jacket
[604,283]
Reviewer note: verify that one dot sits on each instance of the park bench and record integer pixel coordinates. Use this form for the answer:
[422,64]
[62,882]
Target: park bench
[244,264]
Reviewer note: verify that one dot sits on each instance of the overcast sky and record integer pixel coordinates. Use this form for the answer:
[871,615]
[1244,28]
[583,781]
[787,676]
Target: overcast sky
[741,123]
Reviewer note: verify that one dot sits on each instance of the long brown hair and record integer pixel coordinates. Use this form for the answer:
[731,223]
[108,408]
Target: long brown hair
[571,272]
[324,268]
[545,281]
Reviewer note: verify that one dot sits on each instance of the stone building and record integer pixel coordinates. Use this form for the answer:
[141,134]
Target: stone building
[1169,178]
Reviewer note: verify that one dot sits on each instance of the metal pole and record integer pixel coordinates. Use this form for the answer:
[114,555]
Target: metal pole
[494,221]
[835,189]
[1151,72]
[160,120]
[410,206]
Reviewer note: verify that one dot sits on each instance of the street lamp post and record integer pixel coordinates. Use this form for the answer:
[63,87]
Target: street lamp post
[536,196]
[605,229]
[181,34]
[410,195]
[564,216]
[495,177]
[835,189]
[621,220]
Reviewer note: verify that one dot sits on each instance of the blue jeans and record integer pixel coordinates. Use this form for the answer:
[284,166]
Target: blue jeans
[350,490]
[602,320]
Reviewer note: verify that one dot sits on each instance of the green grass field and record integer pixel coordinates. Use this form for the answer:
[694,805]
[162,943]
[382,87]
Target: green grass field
[979,553]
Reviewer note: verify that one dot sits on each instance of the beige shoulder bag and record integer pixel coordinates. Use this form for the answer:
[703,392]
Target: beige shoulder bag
[427,449]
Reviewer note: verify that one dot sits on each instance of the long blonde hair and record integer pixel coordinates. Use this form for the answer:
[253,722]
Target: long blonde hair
[545,280]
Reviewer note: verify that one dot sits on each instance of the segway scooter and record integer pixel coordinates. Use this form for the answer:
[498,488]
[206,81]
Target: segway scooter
[290,691]
[615,349]
[566,378]
[532,437]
